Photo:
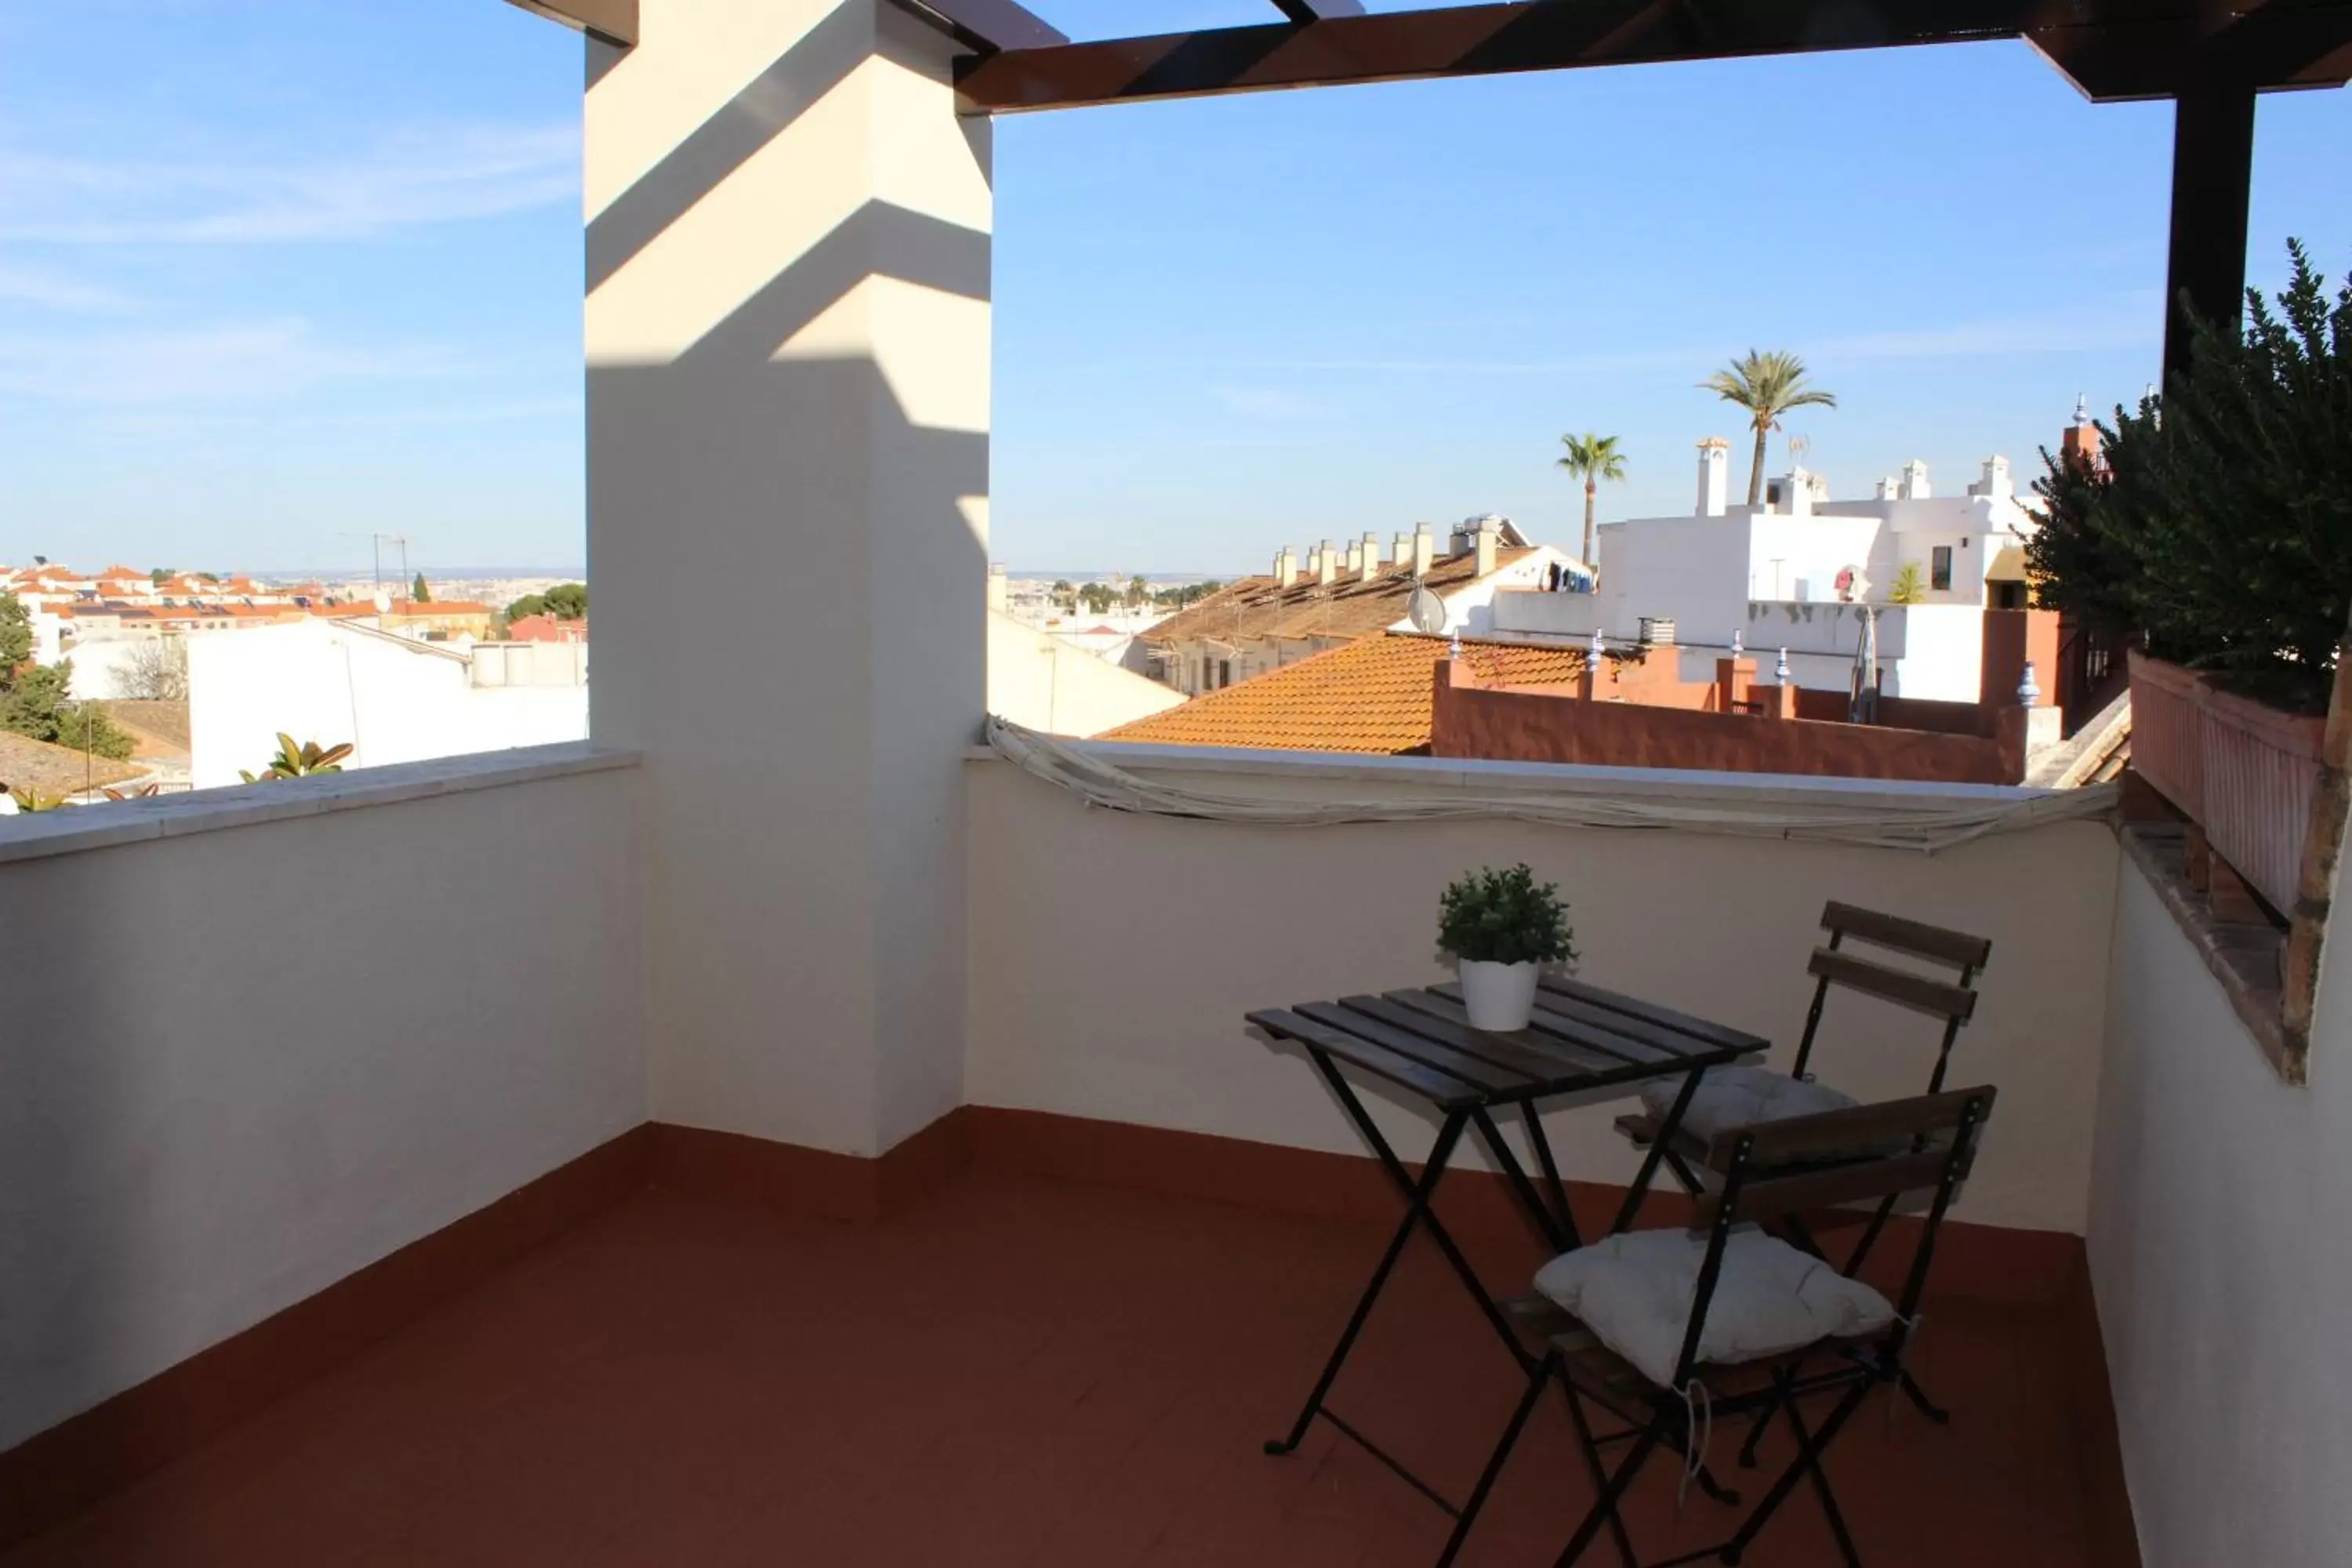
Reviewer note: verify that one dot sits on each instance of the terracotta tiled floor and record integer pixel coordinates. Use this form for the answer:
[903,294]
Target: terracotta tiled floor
[1017,1372]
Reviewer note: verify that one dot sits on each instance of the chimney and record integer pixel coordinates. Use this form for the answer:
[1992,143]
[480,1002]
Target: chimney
[1424,549]
[1714,476]
[1490,544]
[1327,565]
[997,590]
[1370,561]
[1914,480]
[1403,554]
[1996,482]
[2080,444]
[1285,567]
[1355,558]
[1889,488]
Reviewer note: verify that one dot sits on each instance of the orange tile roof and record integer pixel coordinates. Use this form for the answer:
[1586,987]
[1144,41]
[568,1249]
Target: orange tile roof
[1253,607]
[1373,695]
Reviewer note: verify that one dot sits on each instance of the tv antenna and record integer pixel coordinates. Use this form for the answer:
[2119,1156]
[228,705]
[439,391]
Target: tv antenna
[1798,446]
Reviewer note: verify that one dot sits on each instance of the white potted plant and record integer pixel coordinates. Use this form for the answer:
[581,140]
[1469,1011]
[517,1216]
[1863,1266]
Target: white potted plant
[1503,926]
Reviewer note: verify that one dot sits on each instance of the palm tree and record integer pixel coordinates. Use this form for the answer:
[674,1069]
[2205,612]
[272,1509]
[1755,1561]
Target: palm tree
[1768,385]
[1592,459]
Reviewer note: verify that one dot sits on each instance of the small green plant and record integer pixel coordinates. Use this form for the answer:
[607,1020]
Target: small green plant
[293,762]
[1504,917]
[30,799]
[1909,587]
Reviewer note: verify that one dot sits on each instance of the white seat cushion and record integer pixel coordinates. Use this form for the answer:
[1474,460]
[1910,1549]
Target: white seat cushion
[1634,1292]
[1733,1097]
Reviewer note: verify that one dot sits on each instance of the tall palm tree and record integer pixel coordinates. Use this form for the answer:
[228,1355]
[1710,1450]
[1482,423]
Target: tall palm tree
[1592,459]
[1768,385]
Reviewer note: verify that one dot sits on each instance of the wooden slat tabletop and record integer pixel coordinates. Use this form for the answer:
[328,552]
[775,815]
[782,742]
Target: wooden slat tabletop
[1581,1037]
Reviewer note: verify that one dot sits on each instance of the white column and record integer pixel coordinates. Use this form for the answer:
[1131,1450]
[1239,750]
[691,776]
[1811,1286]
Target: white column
[787,331]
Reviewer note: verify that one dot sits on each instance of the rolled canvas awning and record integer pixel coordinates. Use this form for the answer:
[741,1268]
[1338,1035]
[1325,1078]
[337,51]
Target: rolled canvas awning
[2008,565]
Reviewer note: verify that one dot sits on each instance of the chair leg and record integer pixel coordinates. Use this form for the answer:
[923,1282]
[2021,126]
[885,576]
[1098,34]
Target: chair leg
[1928,1407]
[1604,1508]
[1736,1547]
[1487,1478]
[1597,1471]
[1809,1455]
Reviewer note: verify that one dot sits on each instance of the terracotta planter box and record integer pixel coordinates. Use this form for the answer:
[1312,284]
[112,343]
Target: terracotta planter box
[2244,773]
[2164,744]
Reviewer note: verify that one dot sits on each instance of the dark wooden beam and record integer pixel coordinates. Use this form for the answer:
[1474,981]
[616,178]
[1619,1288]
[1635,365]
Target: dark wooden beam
[2113,48]
[1305,11]
[2213,170]
[2285,44]
[614,21]
[987,26]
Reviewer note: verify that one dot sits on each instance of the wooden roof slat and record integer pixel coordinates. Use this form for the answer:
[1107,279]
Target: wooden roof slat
[2112,48]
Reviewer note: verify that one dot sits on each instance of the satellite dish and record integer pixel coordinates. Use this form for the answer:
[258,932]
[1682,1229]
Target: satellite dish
[1425,610]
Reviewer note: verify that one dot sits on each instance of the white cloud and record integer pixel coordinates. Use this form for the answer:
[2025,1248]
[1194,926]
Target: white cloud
[2128,319]
[419,176]
[1266,403]
[56,291]
[247,363]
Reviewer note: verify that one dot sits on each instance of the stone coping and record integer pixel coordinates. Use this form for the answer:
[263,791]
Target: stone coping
[70,830]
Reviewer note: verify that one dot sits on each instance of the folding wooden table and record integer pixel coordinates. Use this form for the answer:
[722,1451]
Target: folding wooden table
[1581,1039]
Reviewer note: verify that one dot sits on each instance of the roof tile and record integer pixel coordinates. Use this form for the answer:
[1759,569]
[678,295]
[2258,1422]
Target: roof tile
[1371,696]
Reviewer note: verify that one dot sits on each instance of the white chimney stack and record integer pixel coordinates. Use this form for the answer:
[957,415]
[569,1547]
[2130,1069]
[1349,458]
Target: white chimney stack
[1327,565]
[1714,476]
[1424,549]
[1996,482]
[1490,544]
[1355,558]
[1369,557]
[1914,480]
[1285,567]
[999,590]
[1403,553]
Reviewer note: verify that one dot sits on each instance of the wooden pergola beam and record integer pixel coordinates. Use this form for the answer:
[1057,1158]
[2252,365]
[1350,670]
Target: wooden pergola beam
[614,21]
[2112,48]
[1305,11]
[988,27]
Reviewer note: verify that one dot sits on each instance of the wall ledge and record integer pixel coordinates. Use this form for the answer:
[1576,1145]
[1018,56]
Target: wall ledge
[2248,960]
[74,829]
[1550,778]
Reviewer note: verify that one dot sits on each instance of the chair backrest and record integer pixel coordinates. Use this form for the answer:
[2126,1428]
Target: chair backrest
[1928,1142]
[1952,1001]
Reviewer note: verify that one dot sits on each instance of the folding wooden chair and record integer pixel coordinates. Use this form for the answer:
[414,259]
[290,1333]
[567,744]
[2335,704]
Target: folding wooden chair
[1743,1095]
[1764,1094]
[1599,1350]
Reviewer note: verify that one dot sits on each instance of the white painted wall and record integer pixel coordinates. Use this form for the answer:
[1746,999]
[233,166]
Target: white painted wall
[2220,1249]
[1048,683]
[1269,916]
[243,1063]
[787,335]
[396,701]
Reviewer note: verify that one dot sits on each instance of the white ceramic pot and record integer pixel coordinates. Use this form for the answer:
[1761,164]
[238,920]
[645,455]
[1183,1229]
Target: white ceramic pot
[1500,996]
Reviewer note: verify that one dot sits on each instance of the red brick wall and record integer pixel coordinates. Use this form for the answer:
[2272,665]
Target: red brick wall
[1532,726]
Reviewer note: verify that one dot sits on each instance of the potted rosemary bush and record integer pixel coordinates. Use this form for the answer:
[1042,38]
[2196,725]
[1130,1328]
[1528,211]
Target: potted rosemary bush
[2215,525]
[1503,926]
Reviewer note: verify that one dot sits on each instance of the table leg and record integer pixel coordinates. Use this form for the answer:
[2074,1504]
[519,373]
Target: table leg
[1542,1146]
[1667,1128]
[1546,1223]
[1417,1195]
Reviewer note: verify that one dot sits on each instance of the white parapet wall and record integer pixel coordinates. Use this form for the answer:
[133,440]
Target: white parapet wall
[258,1039]
[2220,1249]
[1113,956]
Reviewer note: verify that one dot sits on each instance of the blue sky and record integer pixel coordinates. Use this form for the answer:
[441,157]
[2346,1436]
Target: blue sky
[273,275]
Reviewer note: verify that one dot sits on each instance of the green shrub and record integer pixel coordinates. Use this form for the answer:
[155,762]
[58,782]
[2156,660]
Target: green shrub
[2221,529]
[1504,917]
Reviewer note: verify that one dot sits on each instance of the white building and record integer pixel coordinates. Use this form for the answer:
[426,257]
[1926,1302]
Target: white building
[1796,571]
[395,698]
[1051,683]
